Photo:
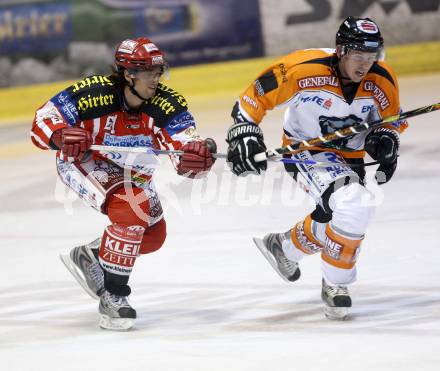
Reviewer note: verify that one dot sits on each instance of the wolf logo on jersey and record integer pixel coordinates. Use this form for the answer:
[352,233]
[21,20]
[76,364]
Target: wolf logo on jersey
[331,124]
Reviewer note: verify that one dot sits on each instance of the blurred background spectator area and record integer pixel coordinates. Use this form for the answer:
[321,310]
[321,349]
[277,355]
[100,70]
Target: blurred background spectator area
[42,41]
[49,40]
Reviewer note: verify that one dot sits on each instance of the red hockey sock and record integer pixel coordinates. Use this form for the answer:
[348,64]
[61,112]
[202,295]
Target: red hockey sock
[118,252]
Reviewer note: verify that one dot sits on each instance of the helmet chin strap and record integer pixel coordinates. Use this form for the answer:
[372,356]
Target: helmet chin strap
[337,68]
[344,79]
[135,92]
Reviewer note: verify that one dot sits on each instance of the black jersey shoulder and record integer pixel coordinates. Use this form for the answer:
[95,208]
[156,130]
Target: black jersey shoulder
[95,96]
[329,61]
[165,105]
[266,83]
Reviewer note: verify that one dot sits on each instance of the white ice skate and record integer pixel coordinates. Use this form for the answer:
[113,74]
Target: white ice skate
[84,266]
[337,301]
[116,312]
[271,248]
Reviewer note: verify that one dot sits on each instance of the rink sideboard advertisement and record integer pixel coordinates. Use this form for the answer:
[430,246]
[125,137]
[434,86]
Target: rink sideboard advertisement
[208,30]
[302,24]
[189,31]
[192,32]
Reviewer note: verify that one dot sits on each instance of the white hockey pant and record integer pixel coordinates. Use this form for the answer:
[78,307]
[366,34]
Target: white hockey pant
[352,207]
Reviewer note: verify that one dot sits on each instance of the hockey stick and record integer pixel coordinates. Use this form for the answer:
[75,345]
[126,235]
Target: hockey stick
[145,150]
[342,133]
[318,163]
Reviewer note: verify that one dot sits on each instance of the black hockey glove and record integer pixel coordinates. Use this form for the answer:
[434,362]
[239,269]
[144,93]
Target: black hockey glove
[245,140]
[385,172]
[382,145]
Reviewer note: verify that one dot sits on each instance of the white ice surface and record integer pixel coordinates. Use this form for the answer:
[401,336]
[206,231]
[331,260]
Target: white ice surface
[208,300]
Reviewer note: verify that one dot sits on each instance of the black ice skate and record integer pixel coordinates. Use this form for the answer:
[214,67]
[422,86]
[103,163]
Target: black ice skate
[84,266]
[337,301]
[271,248]
[116,312]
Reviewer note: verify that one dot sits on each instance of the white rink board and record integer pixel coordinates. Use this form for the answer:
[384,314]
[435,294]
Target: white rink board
[208,300]
[289,25]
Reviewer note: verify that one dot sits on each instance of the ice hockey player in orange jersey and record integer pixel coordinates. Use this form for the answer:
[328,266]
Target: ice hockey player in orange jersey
[323,90]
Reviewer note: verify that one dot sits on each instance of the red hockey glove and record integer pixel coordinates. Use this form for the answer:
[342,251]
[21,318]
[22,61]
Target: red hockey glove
[73,142]
[197,157]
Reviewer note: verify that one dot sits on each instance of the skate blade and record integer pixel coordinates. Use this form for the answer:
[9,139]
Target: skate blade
[260,244]
[77,274]
[115,324]
[336,313]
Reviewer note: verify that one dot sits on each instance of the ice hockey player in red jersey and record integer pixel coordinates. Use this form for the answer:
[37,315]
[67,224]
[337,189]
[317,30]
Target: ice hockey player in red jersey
[324,90]
[130,108]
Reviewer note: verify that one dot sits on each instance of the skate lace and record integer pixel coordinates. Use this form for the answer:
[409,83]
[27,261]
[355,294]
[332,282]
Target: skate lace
[95,273]
[289,265]
[117,301]
[337,291]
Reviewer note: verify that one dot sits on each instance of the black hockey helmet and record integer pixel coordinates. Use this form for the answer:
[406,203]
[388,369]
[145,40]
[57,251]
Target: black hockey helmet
[359,34]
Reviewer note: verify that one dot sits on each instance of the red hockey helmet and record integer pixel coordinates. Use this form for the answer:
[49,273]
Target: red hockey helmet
[138,54]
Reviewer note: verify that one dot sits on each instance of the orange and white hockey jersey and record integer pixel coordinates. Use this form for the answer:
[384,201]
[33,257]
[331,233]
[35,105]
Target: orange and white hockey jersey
[306,83]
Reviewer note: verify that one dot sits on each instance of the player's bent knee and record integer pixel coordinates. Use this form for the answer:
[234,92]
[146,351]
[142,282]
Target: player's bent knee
[153,238]
[128,206]
[353,208]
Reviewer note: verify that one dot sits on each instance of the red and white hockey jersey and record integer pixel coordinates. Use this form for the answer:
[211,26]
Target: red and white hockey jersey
[96,104]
